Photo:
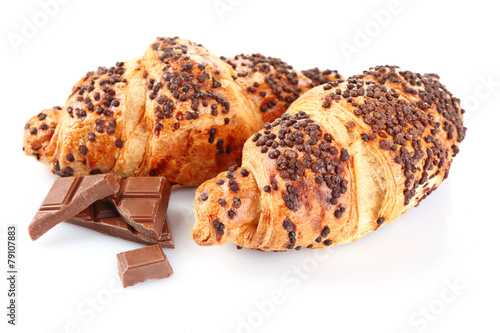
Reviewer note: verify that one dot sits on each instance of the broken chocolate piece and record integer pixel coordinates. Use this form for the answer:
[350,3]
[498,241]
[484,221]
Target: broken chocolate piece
[143,203]
[67,197]
[103,217]
[143,264]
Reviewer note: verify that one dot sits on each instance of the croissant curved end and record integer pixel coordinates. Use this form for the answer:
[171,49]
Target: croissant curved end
[38,132]
[227,209]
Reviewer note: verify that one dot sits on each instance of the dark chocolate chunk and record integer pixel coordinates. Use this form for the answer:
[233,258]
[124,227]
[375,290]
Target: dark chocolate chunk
[143,264]
[103,217]
[143,203]
[69,196]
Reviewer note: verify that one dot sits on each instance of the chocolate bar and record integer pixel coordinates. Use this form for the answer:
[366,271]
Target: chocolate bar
[143,203]
[143,264]
[103,217]
[67,197]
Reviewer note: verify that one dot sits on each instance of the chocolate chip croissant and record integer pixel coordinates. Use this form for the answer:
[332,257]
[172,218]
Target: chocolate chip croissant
[179,111]
[346,158]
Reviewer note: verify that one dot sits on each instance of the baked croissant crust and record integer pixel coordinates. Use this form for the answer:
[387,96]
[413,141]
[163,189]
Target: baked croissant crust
[346,158]
[179,111]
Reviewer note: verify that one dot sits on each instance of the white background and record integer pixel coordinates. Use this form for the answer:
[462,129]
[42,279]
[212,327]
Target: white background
[434,270]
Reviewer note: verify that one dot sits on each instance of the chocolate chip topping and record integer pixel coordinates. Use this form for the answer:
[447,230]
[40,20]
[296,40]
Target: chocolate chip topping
[327,242]
[95,100]
[231,213]
[236,202]
[380,221]
[270,77]
[83,150]
[411,131]
[319,77]
[219,229]
[184,80]
[300,144]
[325,232]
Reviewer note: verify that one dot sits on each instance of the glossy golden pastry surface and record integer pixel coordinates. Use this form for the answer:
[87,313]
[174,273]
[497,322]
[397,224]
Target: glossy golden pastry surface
[346,158]
[178,111]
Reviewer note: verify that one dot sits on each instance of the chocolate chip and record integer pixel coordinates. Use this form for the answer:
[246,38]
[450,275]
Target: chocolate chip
[67,172]
[237,202]
[325,232]
[344,155]
[338,213]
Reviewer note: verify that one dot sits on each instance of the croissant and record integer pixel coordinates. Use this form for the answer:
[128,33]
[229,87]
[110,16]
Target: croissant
[179,111]
[345,159]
